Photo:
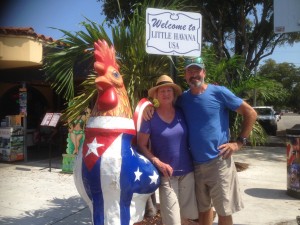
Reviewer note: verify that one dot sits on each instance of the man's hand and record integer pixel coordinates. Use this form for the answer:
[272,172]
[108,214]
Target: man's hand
[148,112]
[226,150]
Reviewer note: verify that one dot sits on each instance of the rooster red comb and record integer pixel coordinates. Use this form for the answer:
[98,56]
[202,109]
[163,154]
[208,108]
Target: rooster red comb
[105,57]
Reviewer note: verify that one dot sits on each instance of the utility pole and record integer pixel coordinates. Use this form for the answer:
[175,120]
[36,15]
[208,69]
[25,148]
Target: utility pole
[255,73]
[173,71]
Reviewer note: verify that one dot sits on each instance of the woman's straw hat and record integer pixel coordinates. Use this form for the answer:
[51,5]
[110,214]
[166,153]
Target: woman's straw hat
[164,80]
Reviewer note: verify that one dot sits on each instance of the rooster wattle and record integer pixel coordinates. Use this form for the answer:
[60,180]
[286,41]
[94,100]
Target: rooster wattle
[110,175]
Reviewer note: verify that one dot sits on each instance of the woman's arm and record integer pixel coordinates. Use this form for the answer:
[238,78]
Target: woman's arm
[142,142]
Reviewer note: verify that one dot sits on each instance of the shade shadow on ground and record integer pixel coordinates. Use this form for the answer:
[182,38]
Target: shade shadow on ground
[267,193]
[60,210]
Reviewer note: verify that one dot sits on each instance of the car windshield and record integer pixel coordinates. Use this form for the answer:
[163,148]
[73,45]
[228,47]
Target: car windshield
[263,111]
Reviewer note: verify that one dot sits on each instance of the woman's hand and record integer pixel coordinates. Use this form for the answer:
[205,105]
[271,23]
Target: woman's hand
[164,168]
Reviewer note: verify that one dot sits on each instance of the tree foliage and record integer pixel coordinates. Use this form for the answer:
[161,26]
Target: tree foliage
[288,77]
[139,69]
[232,27]
[117,11]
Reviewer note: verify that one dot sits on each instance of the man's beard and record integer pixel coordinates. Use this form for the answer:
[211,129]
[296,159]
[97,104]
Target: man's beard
[195,82]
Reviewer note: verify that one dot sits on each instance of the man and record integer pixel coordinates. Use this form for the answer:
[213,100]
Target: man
[206,109]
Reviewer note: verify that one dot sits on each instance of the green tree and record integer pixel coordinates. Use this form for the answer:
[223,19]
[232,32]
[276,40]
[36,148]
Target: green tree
[232,27]
[287,79]
[138,68]
[76,51]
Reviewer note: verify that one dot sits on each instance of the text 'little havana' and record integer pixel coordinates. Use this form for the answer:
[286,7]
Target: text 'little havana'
[173,36]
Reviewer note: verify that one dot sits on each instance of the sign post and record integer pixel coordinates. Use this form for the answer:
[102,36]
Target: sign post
[50,120]
[23,112]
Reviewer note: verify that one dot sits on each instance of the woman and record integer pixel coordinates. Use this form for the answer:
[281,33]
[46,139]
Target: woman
[76,130]
[163,140]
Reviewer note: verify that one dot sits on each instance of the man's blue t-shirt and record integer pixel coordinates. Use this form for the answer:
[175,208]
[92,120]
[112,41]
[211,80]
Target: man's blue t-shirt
[207,117]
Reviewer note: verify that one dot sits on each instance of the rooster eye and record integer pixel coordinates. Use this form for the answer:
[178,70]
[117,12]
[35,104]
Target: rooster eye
[116,74]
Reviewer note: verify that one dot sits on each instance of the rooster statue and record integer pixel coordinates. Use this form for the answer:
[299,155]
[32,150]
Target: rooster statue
[110,175]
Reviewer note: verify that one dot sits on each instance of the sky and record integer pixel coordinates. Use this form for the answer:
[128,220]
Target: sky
[43,14]
[67,15]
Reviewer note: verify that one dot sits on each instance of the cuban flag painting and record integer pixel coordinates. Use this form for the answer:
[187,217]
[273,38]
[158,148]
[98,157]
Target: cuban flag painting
[110,175]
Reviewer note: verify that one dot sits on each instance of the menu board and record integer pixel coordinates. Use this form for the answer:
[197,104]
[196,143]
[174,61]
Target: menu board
[51,119]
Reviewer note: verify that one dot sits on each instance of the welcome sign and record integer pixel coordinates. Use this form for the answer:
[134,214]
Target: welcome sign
[171,32]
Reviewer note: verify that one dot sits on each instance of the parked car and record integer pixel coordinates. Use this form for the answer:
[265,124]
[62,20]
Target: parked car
[278,116]
[268,118]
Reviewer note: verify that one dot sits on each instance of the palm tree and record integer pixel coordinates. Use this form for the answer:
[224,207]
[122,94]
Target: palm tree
[139,69]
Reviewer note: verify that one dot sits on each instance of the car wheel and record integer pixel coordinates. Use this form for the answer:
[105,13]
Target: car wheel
[274,131]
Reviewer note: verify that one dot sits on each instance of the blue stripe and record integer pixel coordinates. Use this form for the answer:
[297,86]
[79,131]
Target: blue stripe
[92,185]
[126,179]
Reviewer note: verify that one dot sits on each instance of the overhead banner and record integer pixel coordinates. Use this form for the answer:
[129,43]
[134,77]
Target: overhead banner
[171,32]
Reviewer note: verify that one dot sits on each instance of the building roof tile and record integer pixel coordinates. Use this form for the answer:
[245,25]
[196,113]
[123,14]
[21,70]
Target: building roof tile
[28,31]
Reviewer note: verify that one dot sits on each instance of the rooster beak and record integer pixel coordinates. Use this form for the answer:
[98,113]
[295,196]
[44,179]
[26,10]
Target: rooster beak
[102,82]
[101,78]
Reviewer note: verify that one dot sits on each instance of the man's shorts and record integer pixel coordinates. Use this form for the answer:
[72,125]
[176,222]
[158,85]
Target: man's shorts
[217,185]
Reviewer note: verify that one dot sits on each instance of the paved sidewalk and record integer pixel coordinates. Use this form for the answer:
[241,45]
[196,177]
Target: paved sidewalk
[31,195]
[264,186]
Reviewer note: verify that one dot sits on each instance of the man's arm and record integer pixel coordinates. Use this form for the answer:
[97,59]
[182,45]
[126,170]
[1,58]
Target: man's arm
[249,118]
[148,112]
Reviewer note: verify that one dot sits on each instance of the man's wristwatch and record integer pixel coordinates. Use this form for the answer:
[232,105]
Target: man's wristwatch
[242,140]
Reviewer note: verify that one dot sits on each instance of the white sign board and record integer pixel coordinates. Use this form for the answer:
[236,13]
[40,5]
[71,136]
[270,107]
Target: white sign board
[286,16]
[51,119]
[171,32]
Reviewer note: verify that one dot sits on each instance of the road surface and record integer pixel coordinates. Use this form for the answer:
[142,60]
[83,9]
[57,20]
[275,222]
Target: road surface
[287,121]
